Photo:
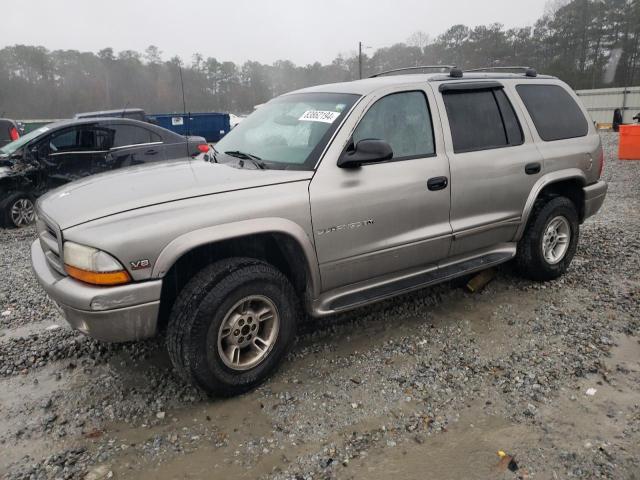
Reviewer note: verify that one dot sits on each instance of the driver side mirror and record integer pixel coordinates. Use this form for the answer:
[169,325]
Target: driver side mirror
[366,151]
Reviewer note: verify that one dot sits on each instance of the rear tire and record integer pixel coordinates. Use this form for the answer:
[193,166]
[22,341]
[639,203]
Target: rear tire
[550,239]
[231,325]
[18,210]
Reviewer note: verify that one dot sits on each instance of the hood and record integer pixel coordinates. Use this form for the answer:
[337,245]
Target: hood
[131,188]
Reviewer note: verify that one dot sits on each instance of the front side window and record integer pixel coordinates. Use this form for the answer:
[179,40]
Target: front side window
[67,140]
[289,132]
[402,120]
[481,119]
[554,113]
[79,139]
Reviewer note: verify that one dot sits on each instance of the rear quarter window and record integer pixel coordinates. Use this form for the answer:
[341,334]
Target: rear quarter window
[554,112]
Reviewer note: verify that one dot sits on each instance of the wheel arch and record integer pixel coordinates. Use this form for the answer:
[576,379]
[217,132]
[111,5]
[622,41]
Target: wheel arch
[277,241]
[568,183]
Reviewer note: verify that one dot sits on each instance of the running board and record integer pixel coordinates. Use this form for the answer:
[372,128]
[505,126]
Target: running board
[347,298]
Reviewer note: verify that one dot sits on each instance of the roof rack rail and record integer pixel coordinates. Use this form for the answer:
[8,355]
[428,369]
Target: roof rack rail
[419,67]
[528,71]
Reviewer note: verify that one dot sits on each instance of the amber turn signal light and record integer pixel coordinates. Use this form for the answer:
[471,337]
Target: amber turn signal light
[98,278]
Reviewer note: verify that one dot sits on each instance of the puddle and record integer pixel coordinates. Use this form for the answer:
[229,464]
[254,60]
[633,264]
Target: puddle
[30,329]
[468,450]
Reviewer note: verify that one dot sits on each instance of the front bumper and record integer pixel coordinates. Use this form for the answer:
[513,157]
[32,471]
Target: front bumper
[111,314]
[594,198]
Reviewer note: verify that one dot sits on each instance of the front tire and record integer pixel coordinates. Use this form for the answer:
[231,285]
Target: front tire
[231,326]
[18,210]
[550,239]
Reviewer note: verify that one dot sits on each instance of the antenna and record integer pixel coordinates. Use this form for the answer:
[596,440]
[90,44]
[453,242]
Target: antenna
[184,110]
[124,110]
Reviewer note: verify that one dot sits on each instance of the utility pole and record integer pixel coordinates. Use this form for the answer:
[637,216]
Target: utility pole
[360,59]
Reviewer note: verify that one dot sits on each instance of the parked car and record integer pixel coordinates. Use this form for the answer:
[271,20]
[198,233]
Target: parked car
[60,152]
[9,131]
[132,113]
[323,200]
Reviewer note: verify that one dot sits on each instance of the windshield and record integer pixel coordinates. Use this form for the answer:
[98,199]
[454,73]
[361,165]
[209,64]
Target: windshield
[13,147]
[288,132]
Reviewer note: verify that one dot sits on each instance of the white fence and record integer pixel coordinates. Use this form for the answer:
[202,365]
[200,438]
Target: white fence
[601,102]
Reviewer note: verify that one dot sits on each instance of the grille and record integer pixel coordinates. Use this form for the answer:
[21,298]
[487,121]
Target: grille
[51,243]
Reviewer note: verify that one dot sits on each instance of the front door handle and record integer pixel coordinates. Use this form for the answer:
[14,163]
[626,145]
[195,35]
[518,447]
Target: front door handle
[532,168]
[437,183]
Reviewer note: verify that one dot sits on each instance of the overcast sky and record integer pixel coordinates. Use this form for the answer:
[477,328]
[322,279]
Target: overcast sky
[303,31]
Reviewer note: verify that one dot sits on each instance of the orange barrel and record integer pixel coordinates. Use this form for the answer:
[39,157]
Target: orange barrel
[629,145]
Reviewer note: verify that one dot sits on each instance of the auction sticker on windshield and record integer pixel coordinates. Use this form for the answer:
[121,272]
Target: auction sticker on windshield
[319,116]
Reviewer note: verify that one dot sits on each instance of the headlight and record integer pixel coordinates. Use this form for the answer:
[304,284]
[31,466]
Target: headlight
[93,266]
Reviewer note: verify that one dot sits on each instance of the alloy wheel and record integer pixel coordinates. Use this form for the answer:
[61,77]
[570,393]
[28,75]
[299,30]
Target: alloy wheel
[555,241]
[248,332]
[22,212]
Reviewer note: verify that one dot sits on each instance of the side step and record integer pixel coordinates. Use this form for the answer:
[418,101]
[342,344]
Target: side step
[352,298]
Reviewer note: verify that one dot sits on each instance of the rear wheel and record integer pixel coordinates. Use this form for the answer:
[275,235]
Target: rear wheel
[550,240]
[231,326]
[19,210]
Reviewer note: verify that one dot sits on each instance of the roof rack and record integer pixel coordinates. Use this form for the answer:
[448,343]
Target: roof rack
[528,71]
[450,68]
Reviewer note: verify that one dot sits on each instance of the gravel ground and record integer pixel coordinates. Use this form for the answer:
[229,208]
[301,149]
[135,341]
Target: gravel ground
[429,385]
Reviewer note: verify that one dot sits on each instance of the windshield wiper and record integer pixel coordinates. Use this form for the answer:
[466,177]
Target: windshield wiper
[257,161]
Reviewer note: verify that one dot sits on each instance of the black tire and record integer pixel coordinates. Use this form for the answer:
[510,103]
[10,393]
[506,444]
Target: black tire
[530,260]
[7,207]
[201,308]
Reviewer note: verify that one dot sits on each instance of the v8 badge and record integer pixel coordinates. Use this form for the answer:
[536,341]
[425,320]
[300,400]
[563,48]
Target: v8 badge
[140,264]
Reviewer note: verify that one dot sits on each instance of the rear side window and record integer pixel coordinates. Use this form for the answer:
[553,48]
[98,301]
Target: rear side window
[481,119]
[127,135]
[554,112]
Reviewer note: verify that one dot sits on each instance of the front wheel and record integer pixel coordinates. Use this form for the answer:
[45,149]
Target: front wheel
[231,326]
[19,210]
[550,240]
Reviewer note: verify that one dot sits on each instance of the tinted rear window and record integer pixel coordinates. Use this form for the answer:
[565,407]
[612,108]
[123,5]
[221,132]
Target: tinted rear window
[481,119]
[554,112]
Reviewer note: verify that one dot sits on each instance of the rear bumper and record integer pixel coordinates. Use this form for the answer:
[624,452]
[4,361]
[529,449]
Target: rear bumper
[111,314]
[594,196]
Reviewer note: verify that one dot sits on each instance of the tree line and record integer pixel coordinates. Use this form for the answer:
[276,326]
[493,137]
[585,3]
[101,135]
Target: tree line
[587,43]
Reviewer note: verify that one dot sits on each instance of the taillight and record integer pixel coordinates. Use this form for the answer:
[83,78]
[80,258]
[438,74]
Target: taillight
[13,134]
[601,163]
[203,148]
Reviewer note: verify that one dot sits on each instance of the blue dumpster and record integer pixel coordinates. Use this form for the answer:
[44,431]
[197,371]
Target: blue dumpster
[212,126]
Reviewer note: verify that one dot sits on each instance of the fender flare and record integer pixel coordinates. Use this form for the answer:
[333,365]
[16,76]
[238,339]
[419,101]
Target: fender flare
[227,231]
[545,180]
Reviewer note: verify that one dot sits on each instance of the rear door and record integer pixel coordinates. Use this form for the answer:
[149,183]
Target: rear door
[494,163]
[134,145]
[383,219]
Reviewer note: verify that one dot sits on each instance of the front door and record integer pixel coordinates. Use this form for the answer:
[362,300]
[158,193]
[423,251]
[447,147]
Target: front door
[382,218]
[72,153]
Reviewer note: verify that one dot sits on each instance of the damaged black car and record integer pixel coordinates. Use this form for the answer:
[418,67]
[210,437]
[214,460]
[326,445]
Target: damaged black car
[64,151]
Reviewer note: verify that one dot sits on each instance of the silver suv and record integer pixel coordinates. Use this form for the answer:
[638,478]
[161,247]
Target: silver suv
[321,201]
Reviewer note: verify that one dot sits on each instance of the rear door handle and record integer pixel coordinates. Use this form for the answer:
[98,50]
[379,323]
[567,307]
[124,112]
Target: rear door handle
[437,183]
[151,151]
[532,168]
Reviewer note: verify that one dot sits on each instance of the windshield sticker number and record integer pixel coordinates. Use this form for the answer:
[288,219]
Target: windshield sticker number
[319,116]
